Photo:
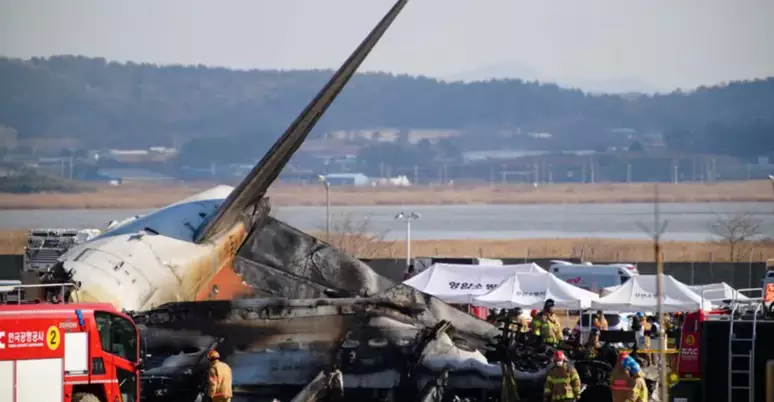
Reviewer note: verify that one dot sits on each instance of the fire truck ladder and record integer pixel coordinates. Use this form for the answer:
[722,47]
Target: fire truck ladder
[741,351]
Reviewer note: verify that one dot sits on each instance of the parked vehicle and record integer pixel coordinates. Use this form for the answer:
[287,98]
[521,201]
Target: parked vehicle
[615,322]
[422,263]
[593,277]
[83,352]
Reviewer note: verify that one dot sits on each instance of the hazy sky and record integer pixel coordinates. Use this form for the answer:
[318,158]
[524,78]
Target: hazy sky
[669,43]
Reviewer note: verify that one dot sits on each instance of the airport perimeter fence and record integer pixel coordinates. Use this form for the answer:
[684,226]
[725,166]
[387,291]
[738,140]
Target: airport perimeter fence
[739,275]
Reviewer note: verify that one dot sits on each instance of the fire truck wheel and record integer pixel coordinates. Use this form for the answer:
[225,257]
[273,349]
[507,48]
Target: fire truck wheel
[84,397]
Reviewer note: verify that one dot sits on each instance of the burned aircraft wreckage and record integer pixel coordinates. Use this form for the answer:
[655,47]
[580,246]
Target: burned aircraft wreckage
[216,271]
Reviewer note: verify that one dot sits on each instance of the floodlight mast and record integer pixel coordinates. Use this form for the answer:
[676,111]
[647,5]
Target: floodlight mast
[408,217]
[322,179]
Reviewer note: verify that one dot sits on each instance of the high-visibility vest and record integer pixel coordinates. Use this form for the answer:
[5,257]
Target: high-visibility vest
[562,383]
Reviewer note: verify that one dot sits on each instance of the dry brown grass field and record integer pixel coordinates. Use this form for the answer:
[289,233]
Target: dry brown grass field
[13,241]
[151,196]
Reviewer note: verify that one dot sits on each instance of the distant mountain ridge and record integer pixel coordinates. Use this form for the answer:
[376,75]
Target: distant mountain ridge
[96,103]
[516,70]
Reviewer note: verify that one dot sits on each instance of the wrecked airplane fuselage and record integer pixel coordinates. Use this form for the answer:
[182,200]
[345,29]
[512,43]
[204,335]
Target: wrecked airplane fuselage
[382,346]
[174,364]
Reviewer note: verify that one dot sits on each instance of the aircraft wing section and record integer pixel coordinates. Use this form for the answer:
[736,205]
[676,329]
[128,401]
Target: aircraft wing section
[256,183]
[278,260]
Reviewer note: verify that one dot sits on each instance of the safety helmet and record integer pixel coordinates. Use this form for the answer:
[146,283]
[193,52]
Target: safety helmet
[622,356]
[549,303]
[631,365]
[558,356]
[213,355]
[594,331]
[533,313]
[639,314]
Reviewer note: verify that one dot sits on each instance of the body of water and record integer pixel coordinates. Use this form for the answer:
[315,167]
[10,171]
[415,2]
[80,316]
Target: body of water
[690,222]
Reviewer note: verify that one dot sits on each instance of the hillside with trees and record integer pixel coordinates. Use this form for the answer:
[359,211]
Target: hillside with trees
[228,114]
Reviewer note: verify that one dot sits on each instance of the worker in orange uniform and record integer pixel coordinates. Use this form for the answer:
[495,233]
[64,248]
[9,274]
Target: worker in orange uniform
[219,388]
[550,328]
[619,379]
[629,385]
[599,321]
[563,383]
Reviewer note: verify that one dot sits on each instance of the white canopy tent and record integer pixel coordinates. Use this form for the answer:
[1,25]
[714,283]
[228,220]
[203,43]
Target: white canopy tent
[610,289]
[639,294]
[716,292]
[458,283]
[531,290]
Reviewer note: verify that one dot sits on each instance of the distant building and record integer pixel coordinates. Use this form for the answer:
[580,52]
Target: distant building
[347,179]
[131,176]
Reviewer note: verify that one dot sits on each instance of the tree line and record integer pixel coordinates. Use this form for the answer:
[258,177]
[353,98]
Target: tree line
[219,113]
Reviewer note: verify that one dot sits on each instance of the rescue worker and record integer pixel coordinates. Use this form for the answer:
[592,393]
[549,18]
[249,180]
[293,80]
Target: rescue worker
[620,382]
[534,325]
[618,370]
[591,348]
[562,383]
[630,387]
[639,390]
[599,321]
[335,384]
[537,320]
[219,388]
[646,327]
[550,328]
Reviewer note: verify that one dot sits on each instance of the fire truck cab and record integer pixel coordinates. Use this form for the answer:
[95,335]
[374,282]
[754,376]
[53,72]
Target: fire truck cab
[82,352]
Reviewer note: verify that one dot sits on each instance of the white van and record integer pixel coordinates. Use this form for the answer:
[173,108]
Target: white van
[423,263]
[593,277]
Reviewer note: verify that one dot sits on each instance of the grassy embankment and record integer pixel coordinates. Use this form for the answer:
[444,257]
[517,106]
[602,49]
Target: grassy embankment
[152,196]
[12,242]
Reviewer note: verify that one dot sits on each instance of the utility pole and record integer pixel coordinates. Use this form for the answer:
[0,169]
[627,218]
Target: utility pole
[593,167]
[416,175]
[629,172]
[658,230]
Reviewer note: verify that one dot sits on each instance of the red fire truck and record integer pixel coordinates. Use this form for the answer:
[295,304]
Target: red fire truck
[83,352]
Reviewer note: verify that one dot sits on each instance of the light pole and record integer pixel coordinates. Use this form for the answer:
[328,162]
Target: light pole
[327,185]
[408,217]
[771,177]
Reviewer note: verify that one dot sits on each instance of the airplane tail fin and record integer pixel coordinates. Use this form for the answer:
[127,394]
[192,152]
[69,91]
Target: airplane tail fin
[254,186]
